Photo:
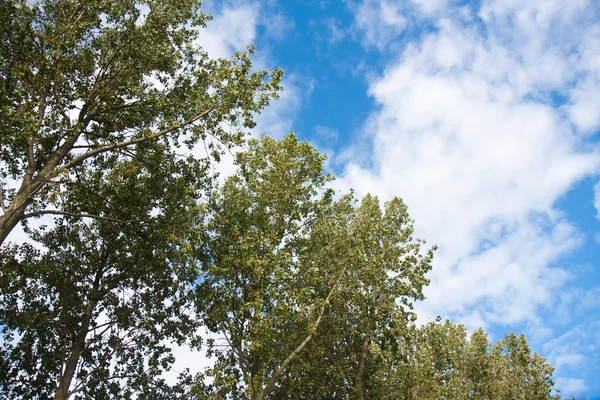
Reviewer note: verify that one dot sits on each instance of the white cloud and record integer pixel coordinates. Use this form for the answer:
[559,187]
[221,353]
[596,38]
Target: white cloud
[430,7]
[571,385]
[466,132]
[506,282]
[589,300]
[326,135]
[336,32]
[534,14]
[574,359]
[558,43]
[576,351]
[584,107]
[232,29]
[380,21]
[279,26]
[277,120]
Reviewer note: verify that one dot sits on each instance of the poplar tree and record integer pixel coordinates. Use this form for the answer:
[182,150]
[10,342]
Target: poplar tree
[85,82]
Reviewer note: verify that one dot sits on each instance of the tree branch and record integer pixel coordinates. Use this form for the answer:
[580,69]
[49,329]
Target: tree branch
[112,322]
[30,157]
[79,159]
[79,11]
[2,201]
[241,357]
[360,392]
[78,215]
[349,337]
[31,164]
[276,374]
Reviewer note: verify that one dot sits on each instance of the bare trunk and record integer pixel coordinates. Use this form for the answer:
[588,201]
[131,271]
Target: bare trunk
[62,393]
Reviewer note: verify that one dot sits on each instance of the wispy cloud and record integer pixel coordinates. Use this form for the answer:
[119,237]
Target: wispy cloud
[279,26]
[336,31]
[578,351]
[232,28]
[380,21]
[278,119]
[571,385]
[478,130]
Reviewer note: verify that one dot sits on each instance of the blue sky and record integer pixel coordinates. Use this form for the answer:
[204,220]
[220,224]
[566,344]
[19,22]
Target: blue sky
[484,117]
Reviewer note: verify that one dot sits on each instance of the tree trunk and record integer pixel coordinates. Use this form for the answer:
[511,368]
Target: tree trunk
[62,393]
[359,384]
[33,182]
[271,383]
[15,211]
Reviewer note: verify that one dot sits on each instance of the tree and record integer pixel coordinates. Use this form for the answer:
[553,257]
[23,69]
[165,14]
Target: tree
[100,101]
[256,291]
[92,314]
[290,273]
[438,361]
[385,273]
[83,82]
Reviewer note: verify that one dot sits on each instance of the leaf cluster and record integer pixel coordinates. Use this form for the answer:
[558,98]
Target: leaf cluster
[439,360]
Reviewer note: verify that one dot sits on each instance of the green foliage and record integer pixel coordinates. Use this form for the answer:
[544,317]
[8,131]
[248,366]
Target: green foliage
[106,299]
[438,360]
[82,83]
[291,272]
[104,106]
[257,290]
[384,272]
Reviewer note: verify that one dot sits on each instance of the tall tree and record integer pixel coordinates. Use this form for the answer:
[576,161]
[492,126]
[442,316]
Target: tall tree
[82,79]
[256,292]
[93,313]
[291,272]
[100,101]
[385,273]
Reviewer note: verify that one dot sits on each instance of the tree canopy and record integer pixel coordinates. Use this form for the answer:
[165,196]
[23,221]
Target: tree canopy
[111,120]
[92,314]
[288,268]
[83,83]
[439,360]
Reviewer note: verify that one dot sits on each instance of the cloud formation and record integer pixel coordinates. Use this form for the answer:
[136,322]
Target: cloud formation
[481,127]
[232,29]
